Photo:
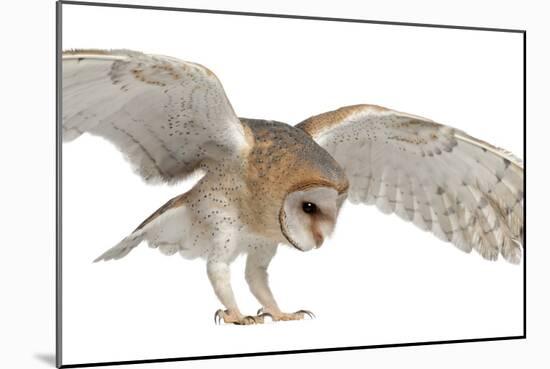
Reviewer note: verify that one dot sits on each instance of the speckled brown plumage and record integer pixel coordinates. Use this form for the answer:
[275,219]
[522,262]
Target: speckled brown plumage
[322,122]
[283,159]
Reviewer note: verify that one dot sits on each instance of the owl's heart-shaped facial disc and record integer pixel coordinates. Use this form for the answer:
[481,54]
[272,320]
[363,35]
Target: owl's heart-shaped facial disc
[308,217]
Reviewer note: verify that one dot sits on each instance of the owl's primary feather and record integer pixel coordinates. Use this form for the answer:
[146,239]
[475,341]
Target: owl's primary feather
[464,190]
[166,115]
[267,183]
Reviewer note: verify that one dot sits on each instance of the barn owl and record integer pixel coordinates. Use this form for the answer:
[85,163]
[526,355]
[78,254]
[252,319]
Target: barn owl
[268,183]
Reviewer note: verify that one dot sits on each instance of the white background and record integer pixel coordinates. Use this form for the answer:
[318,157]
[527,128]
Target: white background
[29,201]
[378,281]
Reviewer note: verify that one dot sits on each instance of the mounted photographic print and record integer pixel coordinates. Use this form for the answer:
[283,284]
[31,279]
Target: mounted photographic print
[240,184]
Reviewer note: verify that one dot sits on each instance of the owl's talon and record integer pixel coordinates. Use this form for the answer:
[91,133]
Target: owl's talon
[218,316]
[260,311]
[263,315]
[230,316]
[247,320]
[306,312]
[280,316]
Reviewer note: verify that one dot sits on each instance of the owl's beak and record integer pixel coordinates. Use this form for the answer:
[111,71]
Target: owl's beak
[318,237]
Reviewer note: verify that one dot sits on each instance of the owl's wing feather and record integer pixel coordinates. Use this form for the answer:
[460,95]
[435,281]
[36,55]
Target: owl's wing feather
[462,189]
[166,115]
[164,229]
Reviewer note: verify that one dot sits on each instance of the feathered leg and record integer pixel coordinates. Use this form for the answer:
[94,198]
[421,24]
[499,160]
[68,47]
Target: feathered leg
[220,276]
[257,278]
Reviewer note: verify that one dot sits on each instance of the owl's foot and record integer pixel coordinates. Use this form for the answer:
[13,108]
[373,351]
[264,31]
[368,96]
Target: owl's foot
[230,316]
[280,316]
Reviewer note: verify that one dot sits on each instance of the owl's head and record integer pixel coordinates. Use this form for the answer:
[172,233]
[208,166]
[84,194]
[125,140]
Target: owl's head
[303,184]
[308,216]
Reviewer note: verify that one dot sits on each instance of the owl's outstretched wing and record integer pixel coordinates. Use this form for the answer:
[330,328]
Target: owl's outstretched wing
[464,190]
[166,115]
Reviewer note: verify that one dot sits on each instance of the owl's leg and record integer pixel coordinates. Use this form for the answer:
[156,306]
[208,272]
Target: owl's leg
[219,274]
[257,277]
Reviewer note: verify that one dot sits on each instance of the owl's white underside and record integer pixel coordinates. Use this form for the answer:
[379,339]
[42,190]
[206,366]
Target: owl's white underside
[175,231]
[172,234]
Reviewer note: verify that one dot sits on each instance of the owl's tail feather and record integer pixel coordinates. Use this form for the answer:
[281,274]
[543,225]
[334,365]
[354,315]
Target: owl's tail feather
[122,248]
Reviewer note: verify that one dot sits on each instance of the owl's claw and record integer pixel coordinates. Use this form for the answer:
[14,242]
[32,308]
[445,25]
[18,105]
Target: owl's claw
[278,316]
[306,312]
[263,315]
[250,319]
[229,316]
[218,316]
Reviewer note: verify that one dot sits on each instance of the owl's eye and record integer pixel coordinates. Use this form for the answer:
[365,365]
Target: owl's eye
[309,207]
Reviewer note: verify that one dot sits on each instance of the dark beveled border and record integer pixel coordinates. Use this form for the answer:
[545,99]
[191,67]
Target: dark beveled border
[58,110]
[58,184]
